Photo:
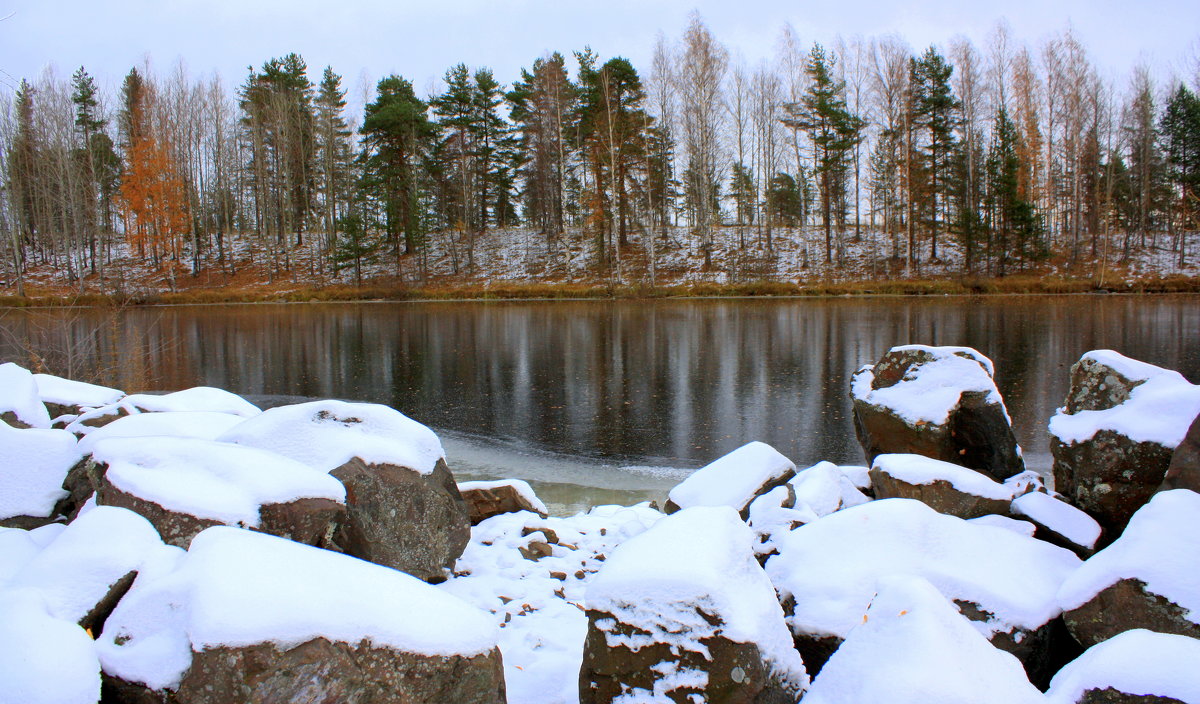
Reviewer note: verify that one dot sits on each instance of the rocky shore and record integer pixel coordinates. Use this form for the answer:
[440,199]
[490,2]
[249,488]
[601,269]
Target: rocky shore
[192,548]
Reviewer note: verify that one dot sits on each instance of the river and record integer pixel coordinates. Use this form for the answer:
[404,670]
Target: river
[605,401]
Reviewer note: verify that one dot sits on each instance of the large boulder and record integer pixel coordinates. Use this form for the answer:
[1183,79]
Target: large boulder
[245,616]
[1184,470]
[826,574]
[1146,579]
[404,509]
[1113,439]
[20,404]
[684,612]
[940,402]
[1134,667]
[487,499]
[733,480]
[913,647]
[944,487]
[184,485]
[34,463]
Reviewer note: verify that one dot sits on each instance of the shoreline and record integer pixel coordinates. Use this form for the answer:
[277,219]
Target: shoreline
[1007,286]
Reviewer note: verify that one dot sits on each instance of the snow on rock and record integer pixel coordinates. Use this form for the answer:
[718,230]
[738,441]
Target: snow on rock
[1137,662]
[829,569]
[20,404]
[941,402]
[733,480]
[198,398]
[74,394]
[33,464]
[328,434]
[816,491]
[184,479]
[489,498]
[18,547]
[1058,518]
[686,608]
[1147,578]
[43,660]
[76,571]
[1113,439]
[948,488]
[1024,528]
[239,589]
[912,646]
[535,596]
[207,425]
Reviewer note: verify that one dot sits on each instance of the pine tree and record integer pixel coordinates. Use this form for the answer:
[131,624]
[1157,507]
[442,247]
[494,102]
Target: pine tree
[333,151]
[1016,227]
[541,105]
[1180,127]
[353,245]
[834,132]
[935,115]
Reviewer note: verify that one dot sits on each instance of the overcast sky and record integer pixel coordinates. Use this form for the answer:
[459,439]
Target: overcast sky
[365,40]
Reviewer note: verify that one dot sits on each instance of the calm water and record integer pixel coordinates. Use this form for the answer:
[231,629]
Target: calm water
[600,401]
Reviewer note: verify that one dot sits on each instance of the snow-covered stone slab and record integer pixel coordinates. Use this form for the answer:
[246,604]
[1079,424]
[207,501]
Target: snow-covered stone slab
[1135,666]
[184,485]
[1113,439]
[404,509]
[20,404]
[86,569]
[941,402]
[18,547]
[1146,579]
[246,616]
[1058,522]
[43,660]
[826,572]
[684,611]
[487,499]
[197,398]
[205,425]
[33,464]
[913,647]
[947,488]
[733,480]
[63,396]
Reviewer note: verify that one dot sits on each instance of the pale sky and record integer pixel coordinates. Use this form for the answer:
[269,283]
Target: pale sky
[365,40]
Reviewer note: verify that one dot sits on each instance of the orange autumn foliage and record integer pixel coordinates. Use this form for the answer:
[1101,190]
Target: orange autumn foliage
[153,202]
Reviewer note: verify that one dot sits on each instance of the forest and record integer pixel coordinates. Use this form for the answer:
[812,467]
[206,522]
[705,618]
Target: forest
[1008,153]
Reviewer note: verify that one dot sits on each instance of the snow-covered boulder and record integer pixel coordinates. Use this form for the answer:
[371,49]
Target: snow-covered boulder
[1184,470]
[198,398]
[1146,579]
[946,488]
[487,499]
[814,492]
[1058,522]
[684,612]
[19,546]
[1112,442]
[912,647]
[20,404]
[34,463]
[940,402]
[184,485]
[90,565]
[733,480]
[70,397]
[206,425]
[1134,667]
[403,508]
[826,573]
[245,616]
[43,660]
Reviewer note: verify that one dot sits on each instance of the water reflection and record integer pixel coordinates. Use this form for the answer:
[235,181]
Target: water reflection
[670,382]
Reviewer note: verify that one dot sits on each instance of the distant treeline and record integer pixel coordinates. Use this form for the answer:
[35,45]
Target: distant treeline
[1008,151]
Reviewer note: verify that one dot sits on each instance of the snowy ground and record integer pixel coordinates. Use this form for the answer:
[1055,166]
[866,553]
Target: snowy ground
[521,256]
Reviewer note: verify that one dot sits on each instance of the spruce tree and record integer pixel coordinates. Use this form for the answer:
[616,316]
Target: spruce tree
[333,151]
[935,115]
